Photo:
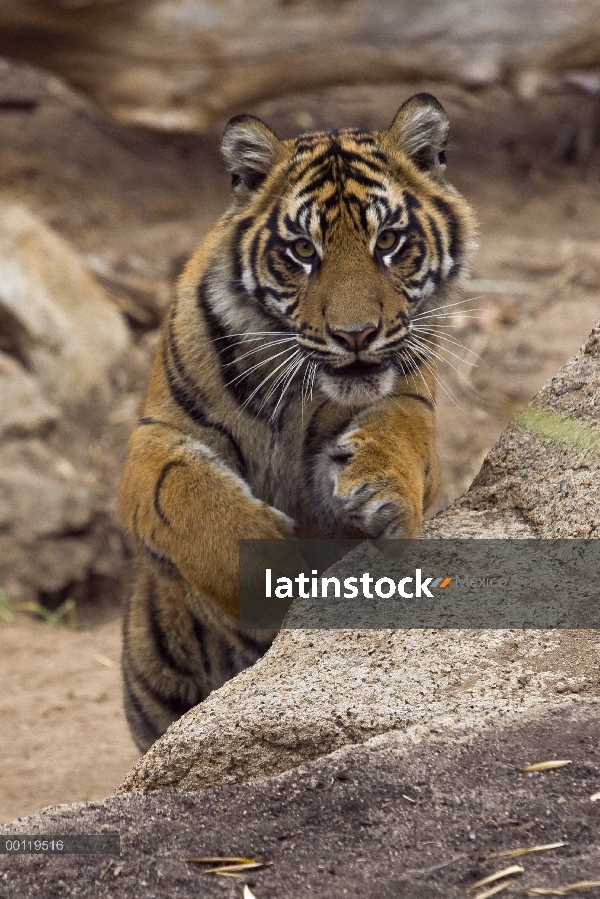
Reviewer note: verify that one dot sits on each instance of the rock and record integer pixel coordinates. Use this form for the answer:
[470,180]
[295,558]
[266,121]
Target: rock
[36,499]
[544,472]
[180,66]
[23,410]
[415,814]
[127,208]
[55,316]
[316,691]
[133,207]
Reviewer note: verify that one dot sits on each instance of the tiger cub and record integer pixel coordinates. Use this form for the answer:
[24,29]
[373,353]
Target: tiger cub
[293,390]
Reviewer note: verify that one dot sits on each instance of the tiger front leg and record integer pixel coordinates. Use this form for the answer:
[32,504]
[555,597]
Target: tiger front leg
[182,504]
[384,470]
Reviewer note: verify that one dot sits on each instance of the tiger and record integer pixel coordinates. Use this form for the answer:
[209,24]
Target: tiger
[293,389]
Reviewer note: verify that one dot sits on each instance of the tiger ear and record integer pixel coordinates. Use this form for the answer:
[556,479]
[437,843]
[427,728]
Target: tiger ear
[420,128]
[250,149]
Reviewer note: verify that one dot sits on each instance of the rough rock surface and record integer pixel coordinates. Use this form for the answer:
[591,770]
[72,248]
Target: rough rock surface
[542,479]
[422,814]
[315,691]
[133,207]
[64,340]
[93,220]
[181,66]
[24,411]
[54,314]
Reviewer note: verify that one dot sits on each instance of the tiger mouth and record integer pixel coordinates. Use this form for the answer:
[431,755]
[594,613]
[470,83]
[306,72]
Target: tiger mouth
[358,369]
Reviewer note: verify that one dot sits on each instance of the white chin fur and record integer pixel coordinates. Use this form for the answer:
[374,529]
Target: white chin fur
[354,391]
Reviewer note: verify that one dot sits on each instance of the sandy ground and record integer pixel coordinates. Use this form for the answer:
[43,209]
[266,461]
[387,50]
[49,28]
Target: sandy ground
[64,736]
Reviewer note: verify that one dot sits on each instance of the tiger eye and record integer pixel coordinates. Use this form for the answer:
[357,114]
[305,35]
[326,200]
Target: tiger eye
[386,240]
[304,249]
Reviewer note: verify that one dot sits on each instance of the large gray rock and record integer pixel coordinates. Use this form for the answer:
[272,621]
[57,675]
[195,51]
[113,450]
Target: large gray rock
[180,66]
[54,314]
[315,691]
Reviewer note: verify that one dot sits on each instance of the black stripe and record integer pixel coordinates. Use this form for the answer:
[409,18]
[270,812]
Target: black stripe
[315,441]
[166,567]
[421,399]
[242,388]
[436,276]
[200,634]
[141,725]
[446,211]
[292,307]
[241,228]
[391,331]
[173,704]
[159,637]
[253,644]
[173,463]
[351,159]
[189,405]
[314,163]
[359,177]
[326,177]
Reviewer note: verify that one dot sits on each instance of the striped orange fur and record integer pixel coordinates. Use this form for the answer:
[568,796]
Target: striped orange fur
[289,395]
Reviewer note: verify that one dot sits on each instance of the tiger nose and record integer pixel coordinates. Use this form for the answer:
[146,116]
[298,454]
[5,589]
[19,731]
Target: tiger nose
[356,340]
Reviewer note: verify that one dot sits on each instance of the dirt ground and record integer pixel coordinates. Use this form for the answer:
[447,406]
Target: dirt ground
[425,821]
[535,296]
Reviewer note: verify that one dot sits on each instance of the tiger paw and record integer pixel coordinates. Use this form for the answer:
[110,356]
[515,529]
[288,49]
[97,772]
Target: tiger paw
[373,493]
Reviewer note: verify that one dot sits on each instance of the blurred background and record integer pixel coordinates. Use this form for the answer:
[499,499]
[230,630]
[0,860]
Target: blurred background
[110,118]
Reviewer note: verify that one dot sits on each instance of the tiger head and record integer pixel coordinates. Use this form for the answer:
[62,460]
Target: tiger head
[346,240]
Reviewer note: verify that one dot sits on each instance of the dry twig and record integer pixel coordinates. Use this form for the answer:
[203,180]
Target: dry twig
[525,850]
[547,766]
[578,887]
[505,872]
[493,890]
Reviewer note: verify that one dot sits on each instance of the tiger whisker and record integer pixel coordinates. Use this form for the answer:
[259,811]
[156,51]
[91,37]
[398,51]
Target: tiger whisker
[304,380]
[264,381]
[433,335]
[449,306]
[305,383]
[256,334]
[447,390]
[248,371]
[279,380]
[426,338]
[258,349]
[439,326]
[292,366]
[440,317]
[314,375]
[405,359]
[440,358]
[287,384]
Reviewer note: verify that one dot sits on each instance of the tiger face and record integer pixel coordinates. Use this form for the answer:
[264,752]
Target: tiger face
[345,240]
